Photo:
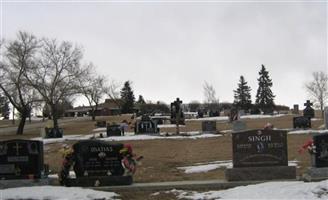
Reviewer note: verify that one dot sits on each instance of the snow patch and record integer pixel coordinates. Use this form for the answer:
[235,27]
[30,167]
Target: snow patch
[269,190]
[55,193]
[54,140]
[225,118]
[169,126]
[311,131]
[205,167]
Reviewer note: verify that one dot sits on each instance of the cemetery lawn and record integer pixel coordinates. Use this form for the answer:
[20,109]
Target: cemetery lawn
[163,157]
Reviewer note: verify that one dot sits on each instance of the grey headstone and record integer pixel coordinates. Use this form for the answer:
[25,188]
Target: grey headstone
[238,126]
[209,126]
[296,110]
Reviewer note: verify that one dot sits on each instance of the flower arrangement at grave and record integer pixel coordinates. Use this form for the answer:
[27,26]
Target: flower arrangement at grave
[309,146]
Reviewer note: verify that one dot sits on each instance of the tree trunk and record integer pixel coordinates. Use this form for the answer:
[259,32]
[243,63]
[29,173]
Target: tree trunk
[13,115]
[54,116]
[21,125]
[93,115]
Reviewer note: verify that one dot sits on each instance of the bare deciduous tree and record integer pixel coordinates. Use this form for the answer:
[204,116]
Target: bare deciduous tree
[318,89]
[56,74]
[93,87]
[211,102]
[113,92]
[18,56]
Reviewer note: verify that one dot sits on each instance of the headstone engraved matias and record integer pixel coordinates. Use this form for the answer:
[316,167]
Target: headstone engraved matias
[260,155]
[98,163]
[21,159]
[97,158]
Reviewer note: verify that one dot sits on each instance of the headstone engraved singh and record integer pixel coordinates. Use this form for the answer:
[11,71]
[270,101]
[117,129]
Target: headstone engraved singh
[260,155]
[258,148]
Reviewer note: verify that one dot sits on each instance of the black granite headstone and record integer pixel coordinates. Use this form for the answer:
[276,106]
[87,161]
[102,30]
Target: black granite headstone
[114,130]
[54,132]
[308,111]
[97,158]
[259,148]
[176,112]
[301,122]
[21,159]
[320,142]
[146,125]
[209,126]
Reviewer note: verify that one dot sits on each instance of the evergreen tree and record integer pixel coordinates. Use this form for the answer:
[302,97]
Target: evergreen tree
[141,100]
[242,95]
[127,97]
[264,95]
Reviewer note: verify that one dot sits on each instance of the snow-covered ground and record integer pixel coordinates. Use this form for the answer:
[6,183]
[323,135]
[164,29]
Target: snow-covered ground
[132,136]
[291,190]
[225,118]
[55,193]
[169,125]
[282,190]
[55,140]
[205,167]
[128,136]
[311,131]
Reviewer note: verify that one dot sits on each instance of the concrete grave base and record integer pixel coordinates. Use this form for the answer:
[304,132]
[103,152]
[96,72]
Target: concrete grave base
[316,174]
[100,181]
[24,182]
[260,173]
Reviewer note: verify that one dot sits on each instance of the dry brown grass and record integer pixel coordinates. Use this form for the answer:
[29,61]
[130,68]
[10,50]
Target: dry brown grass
[162,157]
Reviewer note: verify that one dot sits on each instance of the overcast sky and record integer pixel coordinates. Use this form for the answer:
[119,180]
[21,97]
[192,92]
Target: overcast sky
[168,49]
